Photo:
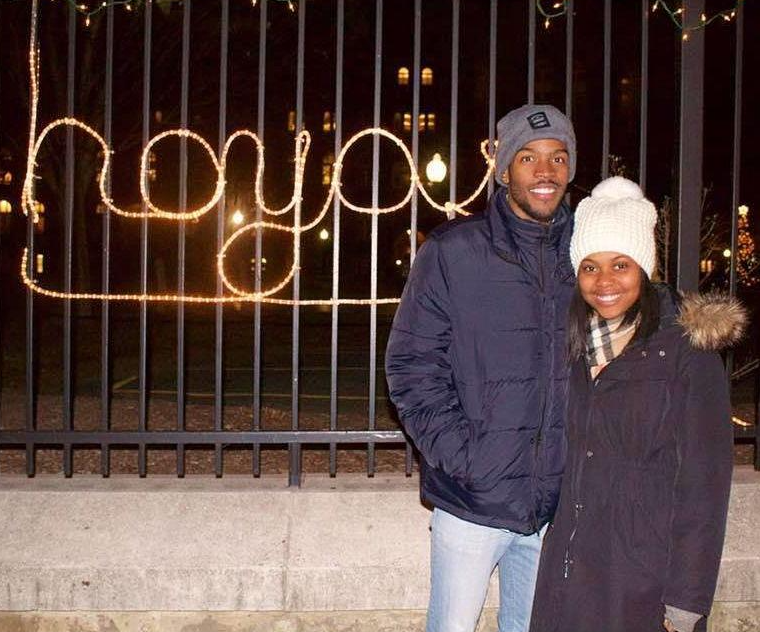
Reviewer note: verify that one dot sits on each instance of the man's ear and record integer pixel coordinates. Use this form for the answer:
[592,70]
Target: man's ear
[505,176]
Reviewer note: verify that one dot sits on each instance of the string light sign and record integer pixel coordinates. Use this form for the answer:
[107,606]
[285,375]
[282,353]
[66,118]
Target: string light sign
[219,168]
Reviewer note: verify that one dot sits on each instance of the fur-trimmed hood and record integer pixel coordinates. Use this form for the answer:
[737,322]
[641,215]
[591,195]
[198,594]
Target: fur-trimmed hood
[712,321]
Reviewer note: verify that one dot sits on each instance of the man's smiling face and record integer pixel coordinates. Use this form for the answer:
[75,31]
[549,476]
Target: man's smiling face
[537,179]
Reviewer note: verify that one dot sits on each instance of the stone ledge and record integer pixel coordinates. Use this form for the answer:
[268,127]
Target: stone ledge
[162,547]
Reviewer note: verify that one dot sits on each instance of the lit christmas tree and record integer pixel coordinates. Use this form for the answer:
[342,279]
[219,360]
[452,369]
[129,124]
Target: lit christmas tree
[747,259]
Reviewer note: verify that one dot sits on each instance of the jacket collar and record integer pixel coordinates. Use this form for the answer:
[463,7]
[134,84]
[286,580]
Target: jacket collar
[505,227]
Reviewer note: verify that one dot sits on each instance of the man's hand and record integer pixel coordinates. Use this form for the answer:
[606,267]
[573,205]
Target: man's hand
[668,625]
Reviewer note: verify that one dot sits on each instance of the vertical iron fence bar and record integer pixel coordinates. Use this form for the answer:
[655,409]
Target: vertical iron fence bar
[1,253]
[373,241]
[31,416]
[492,88]
[736,167]
[607,87]
[569,41]
[339,30]
[757,408]
[221,208]
[454,104]
[143,368]
[644,96]
[414,209]
[105,324]
[531,50]
[68,237]
[416,70]
[260,111]
[182,233]
[691,147]
[294,449]
[736,158]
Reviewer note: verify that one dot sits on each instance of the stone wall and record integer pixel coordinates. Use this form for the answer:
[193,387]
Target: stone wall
[240,554]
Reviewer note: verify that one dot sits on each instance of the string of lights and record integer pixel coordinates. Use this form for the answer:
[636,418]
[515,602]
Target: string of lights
[218,170]
[88,10]
[560,8]
[556,9]
[676,16]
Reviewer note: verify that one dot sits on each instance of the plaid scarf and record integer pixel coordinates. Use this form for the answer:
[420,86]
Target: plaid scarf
[606,339]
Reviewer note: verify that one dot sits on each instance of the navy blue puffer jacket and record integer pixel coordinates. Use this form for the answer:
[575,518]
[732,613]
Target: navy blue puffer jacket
[476,365]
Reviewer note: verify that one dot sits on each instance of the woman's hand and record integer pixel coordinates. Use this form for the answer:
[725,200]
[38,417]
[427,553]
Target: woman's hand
[668,625]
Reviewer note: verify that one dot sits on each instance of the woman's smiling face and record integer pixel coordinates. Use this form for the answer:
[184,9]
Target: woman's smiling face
[610,283]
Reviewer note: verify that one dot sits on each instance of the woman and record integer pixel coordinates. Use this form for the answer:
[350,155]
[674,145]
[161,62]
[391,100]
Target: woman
[636,542]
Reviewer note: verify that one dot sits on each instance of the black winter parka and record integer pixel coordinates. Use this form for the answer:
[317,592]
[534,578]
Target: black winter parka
[642,512]
[475,365]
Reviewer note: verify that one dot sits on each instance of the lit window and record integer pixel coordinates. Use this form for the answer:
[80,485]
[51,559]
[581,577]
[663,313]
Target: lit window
[421,122]
[327,122]
[427,76]
[431,122]
[403,76]
[7,177]
[291,121]
[327,168]
[40,267]
[407,122]
[5,207]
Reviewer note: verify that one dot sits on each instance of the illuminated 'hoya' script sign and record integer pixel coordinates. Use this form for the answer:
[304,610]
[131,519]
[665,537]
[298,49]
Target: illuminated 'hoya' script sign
[219,163]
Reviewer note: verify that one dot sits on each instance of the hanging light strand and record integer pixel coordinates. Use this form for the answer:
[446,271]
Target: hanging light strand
[677,16]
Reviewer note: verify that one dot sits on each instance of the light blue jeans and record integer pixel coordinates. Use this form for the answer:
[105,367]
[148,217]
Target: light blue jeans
[463,556]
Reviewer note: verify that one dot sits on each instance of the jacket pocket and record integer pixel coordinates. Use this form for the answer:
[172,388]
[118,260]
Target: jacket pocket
[492,458]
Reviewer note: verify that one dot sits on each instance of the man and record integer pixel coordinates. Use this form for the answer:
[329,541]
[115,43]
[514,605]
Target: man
[475,366]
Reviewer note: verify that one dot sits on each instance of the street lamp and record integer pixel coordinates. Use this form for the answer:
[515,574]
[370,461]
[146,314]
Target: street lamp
[727,253]
[436,169]
[324,235]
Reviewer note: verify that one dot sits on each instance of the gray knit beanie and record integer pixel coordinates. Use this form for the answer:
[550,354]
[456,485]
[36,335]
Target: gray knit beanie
[528,123]
[615,218]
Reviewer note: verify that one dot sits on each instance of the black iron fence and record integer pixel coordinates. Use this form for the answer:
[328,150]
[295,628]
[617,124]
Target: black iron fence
[121,340]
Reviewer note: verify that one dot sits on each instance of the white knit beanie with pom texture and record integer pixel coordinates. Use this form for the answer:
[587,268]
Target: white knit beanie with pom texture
[615,218]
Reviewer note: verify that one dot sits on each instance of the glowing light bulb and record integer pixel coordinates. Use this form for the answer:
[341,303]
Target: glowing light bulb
[743,210]
[238,218]
[727,253]
[324,235]
[436,169]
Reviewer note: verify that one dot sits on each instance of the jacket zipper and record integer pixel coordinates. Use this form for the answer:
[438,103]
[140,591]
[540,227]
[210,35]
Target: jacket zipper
[577,505]
[542,406]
